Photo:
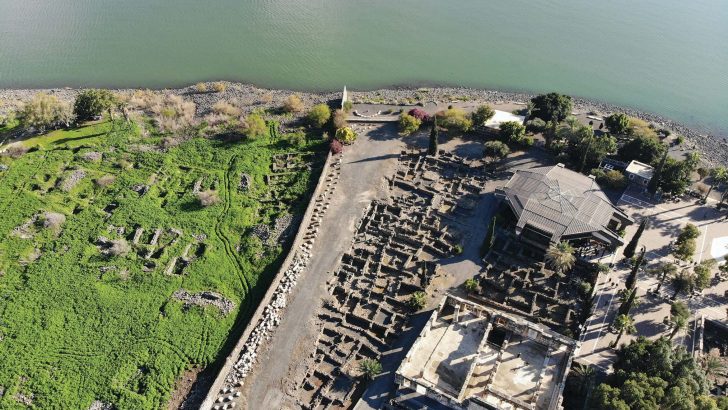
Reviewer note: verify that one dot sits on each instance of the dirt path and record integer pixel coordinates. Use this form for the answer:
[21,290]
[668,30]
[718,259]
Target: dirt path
[364,167]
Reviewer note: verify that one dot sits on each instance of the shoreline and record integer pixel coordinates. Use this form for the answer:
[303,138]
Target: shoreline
[713,148]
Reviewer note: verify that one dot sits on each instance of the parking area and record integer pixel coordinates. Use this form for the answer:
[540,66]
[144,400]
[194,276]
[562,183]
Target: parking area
[651,314]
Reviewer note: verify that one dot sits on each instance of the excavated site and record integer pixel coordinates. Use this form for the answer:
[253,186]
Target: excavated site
[394,254]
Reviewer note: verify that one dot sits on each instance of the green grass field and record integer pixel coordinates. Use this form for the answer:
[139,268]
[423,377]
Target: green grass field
[77,325]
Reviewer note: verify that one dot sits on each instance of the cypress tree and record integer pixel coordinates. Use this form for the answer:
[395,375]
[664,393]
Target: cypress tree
[632,245]
[434,136]
[489,239]
[632,278]
[626,306]
[657,175]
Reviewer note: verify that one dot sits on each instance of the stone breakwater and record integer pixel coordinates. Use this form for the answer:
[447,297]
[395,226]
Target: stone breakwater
[713,147]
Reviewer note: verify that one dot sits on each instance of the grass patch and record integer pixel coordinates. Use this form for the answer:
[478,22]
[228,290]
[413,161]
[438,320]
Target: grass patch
[77,323]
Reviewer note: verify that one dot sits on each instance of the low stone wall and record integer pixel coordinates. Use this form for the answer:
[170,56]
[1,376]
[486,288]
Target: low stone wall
[238,364]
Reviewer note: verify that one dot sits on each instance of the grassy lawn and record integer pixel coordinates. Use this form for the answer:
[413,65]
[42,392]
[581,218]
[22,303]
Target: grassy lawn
[77,325]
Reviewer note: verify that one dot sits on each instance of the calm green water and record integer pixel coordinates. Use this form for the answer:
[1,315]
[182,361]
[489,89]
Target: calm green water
[665,56]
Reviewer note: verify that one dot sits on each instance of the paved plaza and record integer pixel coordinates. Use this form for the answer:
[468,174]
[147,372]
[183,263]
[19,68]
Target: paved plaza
[665,222]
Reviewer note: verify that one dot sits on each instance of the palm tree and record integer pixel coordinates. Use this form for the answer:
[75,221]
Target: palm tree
[714,366]
[561,257]
[584,377]
[679,315]
[471,285]
[370,368]
[682,282]
[418,300]
[662,272]
[623,323]
[720,176]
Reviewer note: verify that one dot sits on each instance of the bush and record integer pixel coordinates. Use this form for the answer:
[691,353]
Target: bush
[471,285]
[119,247]
[482,114]
[52,221]
[346,135]
[293,104]
[172,113]
[201,88]
[219,87]
[225,108]
[420,114]
[512,132]
[106,180]
[91,104]
[536,125]
[296,138]
[340,119]
[347,106]
[370,368]
[319,115]
[254,126]
[417,301]
[336,147]
[495,150]
[617,123]
[454,120]
[610,179]
[45,111]
[208,198]
[408,124]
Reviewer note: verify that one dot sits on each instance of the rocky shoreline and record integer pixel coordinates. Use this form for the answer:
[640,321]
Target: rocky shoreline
[714,149]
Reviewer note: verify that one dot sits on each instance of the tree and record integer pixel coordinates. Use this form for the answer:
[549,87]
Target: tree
[610,179]
[663,271]
[455,121]
[617,123]
[685,243]
[253,126]
[719,176]
[654,183]
[45,111]
[512,132]
[646,149]
[293,104]
[319,115]
[679,315]
[703,273]
[496,150]
[682,282]
[632,245]
[471,285]
[591,150]
[482,114]
[552,107]
[561,256]
[489,238]
[93,103]
[408,124]
[346,135]
[623,324]
[434,140]
[417,301]
[370,368]
[628,302]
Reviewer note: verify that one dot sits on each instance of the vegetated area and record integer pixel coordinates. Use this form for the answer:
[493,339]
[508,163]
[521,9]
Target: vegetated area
[129,257]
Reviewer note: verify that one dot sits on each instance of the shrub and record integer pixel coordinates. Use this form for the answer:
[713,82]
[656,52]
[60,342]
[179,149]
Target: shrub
[45,111]
[617,123]
[536,125]
[16,151]
[611,179]
[201,88]
[495,150]
[208,198]
[471,285]
[172,113]
[293,104]
[336,147]
[420,114]
[347,106]
[346,135]
[93,103]
[319,115]
[106,180]
[296,138]
[454,120]
[52,221]
[482,114]
[417,301]
[253,126]
[219,87]
[370,368]
[408,124]
[225,108]
[119,247]
[340,119]
[512,132]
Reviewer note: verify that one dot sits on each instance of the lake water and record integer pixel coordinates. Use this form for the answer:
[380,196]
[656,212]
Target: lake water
[664,56]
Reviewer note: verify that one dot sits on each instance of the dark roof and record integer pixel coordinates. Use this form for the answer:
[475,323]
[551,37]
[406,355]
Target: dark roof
[561,202]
